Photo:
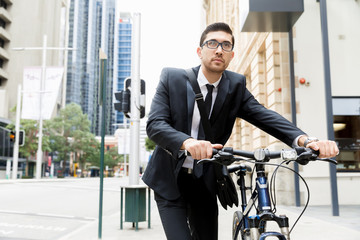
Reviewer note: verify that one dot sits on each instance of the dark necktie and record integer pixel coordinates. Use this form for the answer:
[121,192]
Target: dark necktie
[208,102]
[208,99]
[198,169]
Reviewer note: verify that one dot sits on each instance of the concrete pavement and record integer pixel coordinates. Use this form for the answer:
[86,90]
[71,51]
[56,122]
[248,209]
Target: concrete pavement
[316,223]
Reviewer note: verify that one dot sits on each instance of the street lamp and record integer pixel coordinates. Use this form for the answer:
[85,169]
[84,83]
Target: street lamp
[44,48]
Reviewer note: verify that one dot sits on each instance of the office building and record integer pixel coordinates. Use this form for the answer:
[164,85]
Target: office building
[92,26]
[22,26]
[263,57]
[123,59]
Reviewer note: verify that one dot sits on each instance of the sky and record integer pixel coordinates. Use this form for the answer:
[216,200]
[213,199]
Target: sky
[170,34]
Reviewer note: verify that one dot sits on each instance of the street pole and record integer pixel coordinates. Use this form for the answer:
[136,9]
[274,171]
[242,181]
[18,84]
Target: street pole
[102,102]
[135,101]
[39,153]
[293,111]
[125,141]
[17,134]
[328,101]
[44,48]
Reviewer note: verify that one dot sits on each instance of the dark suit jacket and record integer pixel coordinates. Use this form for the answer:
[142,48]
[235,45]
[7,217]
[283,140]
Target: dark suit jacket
[169,124]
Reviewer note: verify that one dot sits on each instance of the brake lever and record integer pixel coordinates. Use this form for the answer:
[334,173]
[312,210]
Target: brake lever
[304,158]
[205,160]
[329,160]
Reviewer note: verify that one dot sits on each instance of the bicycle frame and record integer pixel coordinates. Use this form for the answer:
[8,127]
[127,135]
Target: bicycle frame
[253,227]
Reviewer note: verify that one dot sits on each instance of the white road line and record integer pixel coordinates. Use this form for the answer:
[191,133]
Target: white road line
[49,215]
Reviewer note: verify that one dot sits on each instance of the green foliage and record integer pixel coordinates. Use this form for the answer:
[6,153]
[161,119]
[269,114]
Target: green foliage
[149,144]
[28,151]
[67,133]
[111,158]
[70,132]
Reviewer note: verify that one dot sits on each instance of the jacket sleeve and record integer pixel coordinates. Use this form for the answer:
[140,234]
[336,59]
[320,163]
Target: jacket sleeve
[160,124]
[268,120]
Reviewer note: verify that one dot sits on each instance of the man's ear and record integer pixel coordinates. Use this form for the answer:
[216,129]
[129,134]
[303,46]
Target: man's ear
[198,50]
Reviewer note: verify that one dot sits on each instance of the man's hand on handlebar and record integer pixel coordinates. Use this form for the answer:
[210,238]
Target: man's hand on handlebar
[199,149]
[327,149]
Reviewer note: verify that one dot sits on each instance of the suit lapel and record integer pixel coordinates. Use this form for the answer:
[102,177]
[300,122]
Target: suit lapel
[223,89]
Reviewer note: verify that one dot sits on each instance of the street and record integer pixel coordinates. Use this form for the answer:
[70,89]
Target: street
[54,208]
[68,209]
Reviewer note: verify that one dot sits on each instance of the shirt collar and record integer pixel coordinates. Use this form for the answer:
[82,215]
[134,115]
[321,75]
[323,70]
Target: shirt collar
[203,81]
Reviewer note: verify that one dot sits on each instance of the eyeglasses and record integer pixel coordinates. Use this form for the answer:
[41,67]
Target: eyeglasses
[213,44]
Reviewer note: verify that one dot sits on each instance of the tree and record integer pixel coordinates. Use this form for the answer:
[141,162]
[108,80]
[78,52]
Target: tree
[111,158]
[86,147]
[70,132]
[28,151]
[149,144]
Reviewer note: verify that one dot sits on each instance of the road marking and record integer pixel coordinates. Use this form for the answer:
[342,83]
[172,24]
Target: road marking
[5,232]
[33,226]
[49,215]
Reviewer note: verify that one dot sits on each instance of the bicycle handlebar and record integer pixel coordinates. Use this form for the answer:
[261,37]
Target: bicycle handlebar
[301,155]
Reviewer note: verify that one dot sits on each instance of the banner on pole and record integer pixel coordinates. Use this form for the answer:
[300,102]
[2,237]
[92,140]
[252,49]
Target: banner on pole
[31,92]
[123,141]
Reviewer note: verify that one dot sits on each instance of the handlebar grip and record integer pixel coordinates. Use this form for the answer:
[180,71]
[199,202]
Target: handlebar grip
[307,154]
[215,151]
[315,152]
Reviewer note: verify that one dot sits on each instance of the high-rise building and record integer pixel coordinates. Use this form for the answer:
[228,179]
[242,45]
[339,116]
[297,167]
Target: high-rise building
[5,20]
[23,24]
[92,26]
[81,63]
[123,57]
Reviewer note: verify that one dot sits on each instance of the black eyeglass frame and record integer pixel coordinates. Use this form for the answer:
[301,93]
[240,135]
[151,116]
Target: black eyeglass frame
[218,43]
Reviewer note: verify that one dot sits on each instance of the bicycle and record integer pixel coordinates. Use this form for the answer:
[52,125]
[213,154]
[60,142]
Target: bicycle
[246,227]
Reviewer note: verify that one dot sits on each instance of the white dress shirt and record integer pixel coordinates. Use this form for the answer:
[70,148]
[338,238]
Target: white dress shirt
[202,81]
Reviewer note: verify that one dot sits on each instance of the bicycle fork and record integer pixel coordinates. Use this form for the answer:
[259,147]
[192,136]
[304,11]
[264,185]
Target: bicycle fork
[257,222]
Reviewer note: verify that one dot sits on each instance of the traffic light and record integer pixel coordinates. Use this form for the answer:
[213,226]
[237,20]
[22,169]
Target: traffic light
[123,97]
[21,138]
[12,136]
[124,102]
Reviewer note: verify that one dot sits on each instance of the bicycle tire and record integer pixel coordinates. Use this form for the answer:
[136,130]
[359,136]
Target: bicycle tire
[241,235]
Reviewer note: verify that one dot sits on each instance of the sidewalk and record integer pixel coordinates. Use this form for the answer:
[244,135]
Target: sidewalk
[316,223]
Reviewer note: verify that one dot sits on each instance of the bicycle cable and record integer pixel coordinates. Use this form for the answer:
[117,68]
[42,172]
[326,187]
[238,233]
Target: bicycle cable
[303,180]
[288,168]
[272,186]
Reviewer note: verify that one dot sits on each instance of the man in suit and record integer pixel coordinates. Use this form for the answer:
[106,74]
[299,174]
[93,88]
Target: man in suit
[187,204]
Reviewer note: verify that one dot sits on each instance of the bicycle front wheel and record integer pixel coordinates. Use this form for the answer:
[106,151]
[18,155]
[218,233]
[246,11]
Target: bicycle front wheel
[238,227]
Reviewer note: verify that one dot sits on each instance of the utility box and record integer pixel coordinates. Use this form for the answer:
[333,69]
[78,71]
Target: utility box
[269,15]
[135,205]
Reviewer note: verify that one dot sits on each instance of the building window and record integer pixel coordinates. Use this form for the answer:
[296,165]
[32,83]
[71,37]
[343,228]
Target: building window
[3,4]
[2,23]
[347,133]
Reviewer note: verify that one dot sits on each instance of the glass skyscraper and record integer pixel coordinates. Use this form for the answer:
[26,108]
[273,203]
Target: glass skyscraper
[91,27]
[123,57]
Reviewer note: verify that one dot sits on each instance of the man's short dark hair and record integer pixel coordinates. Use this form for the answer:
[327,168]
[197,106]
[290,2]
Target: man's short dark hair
[215,27]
